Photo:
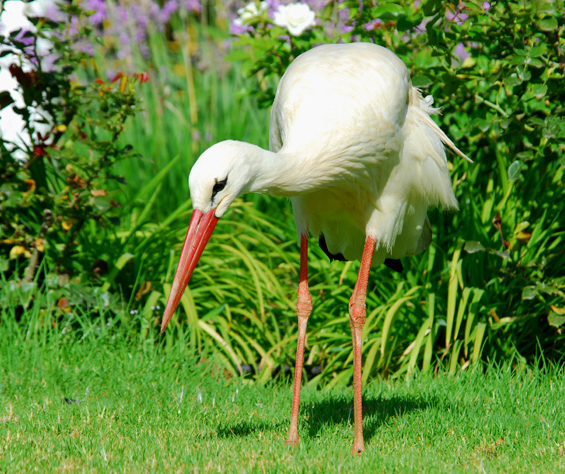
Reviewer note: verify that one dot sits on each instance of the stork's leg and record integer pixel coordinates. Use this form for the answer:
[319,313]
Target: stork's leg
[303,308]
[357,316]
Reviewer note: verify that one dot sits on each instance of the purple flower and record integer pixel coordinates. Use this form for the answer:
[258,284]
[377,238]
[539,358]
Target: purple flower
[373,24]
[99,8]
[273,6]
[458,15]
[74,26]
[421,28]
[316,4]
[192,5]
[84,46]
[343,15]
[122,14]
[486,6]
[25,36]
[49,62]
[55,14]
[168,9]
[460,52]
[237,29]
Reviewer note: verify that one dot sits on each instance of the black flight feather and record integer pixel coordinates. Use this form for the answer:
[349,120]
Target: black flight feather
[331,256]
[393,264]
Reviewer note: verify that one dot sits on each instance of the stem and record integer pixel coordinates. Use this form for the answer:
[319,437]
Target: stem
[30,270]
[496,107]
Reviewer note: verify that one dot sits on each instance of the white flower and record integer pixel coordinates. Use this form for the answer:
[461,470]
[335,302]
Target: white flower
[295,17]
[249,12]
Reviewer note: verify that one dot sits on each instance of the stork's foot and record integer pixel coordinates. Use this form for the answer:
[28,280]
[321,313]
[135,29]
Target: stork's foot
[358,447]
[292,440]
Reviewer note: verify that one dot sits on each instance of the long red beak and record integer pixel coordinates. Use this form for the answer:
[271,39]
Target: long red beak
[199,232]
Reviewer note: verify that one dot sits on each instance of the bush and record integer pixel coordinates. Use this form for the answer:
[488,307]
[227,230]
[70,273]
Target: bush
[57,188]
[496,69]
[491,284]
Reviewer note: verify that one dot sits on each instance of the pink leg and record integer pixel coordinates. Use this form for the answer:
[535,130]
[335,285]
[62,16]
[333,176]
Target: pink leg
[303,308]
[357,316]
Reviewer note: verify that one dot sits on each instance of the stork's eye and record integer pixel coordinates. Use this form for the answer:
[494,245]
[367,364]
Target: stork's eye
[219,186]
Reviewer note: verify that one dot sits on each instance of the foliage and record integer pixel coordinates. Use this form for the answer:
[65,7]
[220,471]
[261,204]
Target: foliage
[496,69]
[489,287]
[55,189]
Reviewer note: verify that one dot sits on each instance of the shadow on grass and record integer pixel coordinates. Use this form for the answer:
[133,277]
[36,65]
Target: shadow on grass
[338,409]
[334,409]
[244,428]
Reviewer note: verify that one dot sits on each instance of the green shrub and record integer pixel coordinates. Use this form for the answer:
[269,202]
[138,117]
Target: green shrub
[489,287]
[57,190]
[496,70]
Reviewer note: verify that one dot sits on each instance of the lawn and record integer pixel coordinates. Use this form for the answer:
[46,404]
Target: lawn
[104,402]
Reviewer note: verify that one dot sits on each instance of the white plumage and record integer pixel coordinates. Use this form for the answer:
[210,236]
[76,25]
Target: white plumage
[353,145]
[356,150]
[352,116]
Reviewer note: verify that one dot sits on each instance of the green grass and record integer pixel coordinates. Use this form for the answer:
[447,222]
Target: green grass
[137,406]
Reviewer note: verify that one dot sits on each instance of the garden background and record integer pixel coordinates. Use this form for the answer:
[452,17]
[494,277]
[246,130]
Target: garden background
[116,100]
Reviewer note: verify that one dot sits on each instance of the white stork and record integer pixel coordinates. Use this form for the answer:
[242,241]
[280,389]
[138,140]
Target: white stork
[353,145]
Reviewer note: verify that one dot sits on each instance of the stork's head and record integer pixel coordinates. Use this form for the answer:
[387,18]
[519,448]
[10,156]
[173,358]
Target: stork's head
[219,176]
[216,179]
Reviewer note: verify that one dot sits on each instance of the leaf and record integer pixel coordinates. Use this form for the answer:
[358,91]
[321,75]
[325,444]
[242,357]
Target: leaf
[534,62]
[469,63]
[422,80]
[407,23]
[523,74]
[537,51]
[120,264]
[518,60]
[370,359]
[417,344]
[555,320]
[387,11]
[551,130]
[548,23]
[102,203]
[472,246]
[479,335]
[513,80]
[5,99]
[220,340]
[525,155]
[523,237]
[514,170]
[529,293]
[390,315]
[452,294]
[482,124]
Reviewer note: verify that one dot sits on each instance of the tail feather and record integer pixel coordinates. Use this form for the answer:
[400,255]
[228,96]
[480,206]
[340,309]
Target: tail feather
[424,108]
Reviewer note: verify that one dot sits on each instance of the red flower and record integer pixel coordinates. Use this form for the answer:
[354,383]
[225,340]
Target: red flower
[142,76]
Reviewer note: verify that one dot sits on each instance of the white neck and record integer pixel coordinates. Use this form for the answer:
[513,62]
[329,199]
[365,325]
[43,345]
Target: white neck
[281,174]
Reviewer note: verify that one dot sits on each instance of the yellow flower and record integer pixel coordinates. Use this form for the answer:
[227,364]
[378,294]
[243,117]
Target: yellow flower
[18,250]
